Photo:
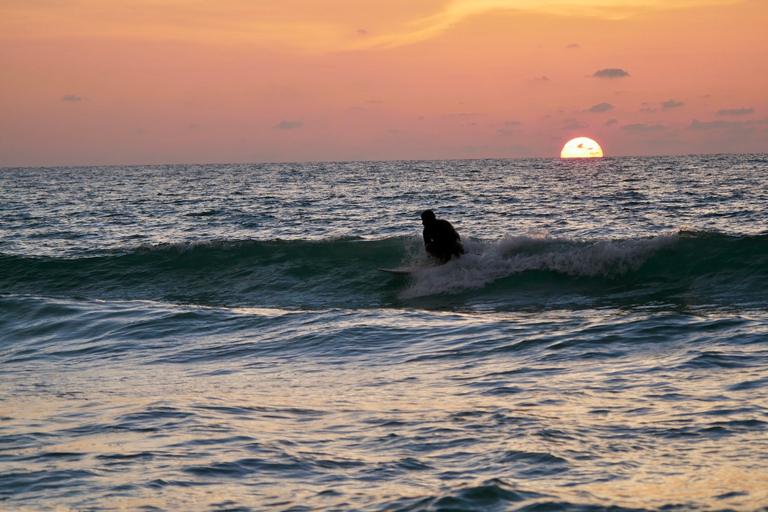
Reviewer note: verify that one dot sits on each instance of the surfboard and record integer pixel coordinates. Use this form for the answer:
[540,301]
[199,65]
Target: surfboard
[402,271]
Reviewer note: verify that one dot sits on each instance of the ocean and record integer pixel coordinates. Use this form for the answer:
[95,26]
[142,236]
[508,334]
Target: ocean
[218,337]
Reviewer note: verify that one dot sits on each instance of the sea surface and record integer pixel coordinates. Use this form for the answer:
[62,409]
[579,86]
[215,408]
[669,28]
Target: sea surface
[218,337]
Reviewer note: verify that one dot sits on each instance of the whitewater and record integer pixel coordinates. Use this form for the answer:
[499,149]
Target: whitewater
[218,337]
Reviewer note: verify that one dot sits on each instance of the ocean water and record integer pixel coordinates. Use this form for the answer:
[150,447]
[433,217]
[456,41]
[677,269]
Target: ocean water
[218,337]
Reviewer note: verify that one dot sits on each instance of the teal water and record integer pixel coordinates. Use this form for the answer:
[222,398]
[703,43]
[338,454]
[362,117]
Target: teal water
[218,337]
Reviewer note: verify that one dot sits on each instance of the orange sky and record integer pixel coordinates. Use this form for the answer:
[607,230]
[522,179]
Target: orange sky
[92,82]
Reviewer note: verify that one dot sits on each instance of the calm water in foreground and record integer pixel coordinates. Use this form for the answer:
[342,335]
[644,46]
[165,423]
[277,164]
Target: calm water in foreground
[210,338]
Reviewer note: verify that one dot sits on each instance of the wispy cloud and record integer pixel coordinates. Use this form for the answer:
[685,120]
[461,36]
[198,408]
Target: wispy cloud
[671,104]
[509,127]
[289,125]
[736,112]
[72,97]
[610,73]
[710,125]
[723,125]
[642,128]
[600,107]
[459,10]
[573,124]
[270,21]
[462,115]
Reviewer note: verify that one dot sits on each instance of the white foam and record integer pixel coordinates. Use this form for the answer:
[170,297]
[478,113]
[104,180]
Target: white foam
[487,262]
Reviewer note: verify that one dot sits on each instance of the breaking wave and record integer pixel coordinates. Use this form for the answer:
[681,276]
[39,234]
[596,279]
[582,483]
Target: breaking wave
[696,267]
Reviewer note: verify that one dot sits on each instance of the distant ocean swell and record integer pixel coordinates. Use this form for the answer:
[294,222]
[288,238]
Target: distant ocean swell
[699,267]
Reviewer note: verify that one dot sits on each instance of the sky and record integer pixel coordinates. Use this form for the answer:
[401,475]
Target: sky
[118,82]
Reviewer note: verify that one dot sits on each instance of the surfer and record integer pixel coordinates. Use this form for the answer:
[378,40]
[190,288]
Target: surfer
[440,238]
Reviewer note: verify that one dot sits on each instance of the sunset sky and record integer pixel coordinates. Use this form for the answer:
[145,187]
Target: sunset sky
[100,82]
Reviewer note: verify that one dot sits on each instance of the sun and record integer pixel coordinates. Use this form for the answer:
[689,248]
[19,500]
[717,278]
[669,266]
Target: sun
[581,147]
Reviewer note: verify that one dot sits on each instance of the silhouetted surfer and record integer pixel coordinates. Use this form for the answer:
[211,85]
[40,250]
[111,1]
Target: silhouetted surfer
[440,239]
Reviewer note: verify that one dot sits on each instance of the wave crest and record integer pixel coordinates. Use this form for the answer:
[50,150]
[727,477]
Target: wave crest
[486,263]
[340,272]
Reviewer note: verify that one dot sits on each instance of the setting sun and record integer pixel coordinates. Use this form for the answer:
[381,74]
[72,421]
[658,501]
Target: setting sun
[581,147]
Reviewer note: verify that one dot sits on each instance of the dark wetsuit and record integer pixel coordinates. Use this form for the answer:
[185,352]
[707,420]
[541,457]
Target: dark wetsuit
[442,240]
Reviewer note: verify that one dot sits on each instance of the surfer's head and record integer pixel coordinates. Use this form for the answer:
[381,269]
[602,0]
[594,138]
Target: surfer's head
[427,216]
